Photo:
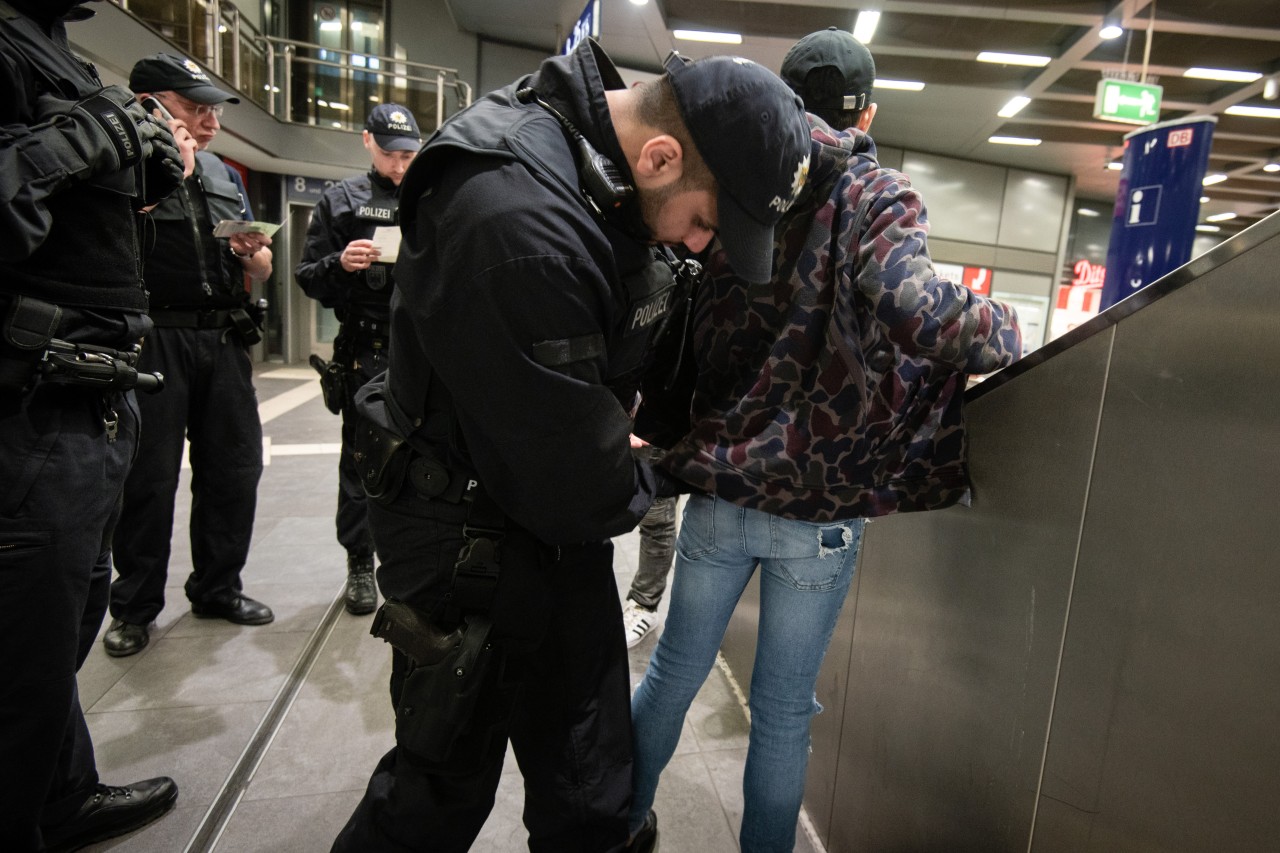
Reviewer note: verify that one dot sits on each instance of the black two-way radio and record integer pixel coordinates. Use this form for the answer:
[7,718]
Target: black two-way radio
[602,182]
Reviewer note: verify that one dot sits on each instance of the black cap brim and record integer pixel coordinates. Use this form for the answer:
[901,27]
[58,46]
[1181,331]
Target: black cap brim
[396,142]
[747,242]
[202,94]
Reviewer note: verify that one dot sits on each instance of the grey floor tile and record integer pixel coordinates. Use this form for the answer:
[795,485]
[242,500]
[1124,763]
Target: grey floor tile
[196,746]
[325,747]
[299,529]
[340,724]
[318,561]
[352,662]
[237,666]
[690,815]
[300,485]
[301,824]
[100,673]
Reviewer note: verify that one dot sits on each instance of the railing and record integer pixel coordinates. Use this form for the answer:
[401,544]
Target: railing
[298,81]
[362,81]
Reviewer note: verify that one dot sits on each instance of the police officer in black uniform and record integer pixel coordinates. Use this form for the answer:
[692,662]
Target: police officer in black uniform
[343,265]
[77,160]
[204,326]
[495,449]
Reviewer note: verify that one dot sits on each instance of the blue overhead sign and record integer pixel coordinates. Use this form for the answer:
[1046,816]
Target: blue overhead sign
[1158,204]
[588,25]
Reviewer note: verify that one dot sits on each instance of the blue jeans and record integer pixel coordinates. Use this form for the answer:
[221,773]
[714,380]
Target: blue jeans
[806,572]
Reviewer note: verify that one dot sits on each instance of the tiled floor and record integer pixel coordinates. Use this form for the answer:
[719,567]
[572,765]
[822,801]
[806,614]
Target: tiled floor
[190,704]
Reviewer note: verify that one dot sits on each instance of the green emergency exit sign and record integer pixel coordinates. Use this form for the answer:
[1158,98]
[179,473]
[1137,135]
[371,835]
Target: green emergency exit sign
[1131,103]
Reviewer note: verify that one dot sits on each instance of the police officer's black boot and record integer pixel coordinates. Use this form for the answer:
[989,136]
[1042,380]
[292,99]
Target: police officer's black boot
[362,594]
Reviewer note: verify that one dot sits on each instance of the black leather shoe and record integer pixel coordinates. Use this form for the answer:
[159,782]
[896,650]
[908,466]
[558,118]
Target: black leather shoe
[646,838]
[113,811]
[241,610]
[125,638]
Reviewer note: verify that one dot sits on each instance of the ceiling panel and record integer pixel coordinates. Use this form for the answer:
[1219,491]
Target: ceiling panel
[936,42]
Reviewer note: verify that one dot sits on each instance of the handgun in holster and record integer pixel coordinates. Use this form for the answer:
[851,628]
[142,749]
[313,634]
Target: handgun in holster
[333,383]
[446,674]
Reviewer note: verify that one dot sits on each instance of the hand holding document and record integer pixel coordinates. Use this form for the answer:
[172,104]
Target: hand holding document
[387,239]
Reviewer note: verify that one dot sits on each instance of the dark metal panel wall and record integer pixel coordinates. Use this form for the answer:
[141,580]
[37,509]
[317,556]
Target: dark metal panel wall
[1086,658]
[958,630]
[1166,733]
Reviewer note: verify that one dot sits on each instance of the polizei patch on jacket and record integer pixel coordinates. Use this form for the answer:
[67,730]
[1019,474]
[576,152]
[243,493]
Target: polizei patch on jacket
[646,313]
[375,213]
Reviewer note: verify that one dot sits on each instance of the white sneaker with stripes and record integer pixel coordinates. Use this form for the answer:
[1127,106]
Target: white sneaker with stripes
[638,621]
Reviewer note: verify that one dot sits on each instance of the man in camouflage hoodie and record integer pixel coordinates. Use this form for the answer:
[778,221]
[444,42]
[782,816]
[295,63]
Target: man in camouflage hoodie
[829,395]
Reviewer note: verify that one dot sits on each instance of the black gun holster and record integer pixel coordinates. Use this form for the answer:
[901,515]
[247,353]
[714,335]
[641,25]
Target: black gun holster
[29,353]
[446,674]
[450,669]
[333,383]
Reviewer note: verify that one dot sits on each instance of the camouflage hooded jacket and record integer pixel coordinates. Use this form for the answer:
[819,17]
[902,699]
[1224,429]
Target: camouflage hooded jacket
[835,391]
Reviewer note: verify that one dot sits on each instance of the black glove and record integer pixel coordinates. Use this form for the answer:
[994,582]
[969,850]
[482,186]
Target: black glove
[162,169]
[111,132]
[106,130]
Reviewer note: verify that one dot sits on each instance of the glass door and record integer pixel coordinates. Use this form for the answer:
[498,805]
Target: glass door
[351,35]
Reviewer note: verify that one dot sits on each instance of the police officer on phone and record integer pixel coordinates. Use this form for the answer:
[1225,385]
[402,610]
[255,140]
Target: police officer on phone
[77,161]
[346,264]
[204,326]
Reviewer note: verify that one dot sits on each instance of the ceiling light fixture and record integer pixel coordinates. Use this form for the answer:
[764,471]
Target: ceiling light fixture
[639,2]
[1210,180]
[1204,199]
[1014,106]
[1226,75]
[1029,60]
[1253,112]
[1110,30]
[865,26]
[1087,211]
[1271,89]
[1220,217]
[1013,140]
[1115,166]
[903,85]
[1208,229]
[1273,166]
[700,35]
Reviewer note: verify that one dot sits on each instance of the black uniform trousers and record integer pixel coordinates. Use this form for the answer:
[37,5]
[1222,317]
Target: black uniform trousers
[209,398]
[561,699]
[364,362]
[62,478]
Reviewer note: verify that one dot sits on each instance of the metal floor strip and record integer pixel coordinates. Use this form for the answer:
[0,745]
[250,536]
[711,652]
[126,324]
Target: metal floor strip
[205,838]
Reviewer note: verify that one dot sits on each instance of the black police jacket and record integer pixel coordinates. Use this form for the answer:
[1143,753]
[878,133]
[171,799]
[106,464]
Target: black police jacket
[68,232]
[187,268]
[349,210]
[521,318]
